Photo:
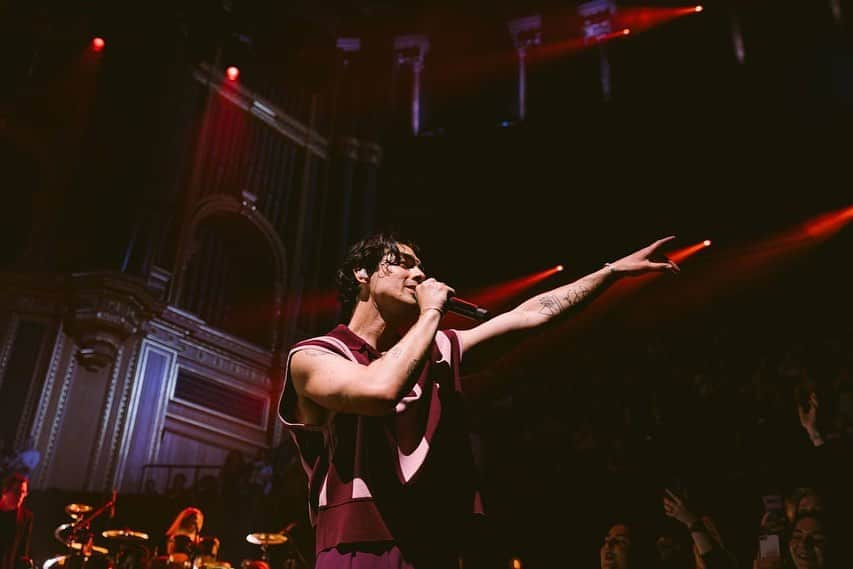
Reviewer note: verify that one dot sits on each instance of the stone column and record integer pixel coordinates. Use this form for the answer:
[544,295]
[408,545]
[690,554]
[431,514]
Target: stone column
[411,50]
[526,33]
[597,17]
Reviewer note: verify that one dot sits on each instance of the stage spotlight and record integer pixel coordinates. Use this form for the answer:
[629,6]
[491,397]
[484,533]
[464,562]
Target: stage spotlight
[560,268]
[698,9]
[232,73]
[706,242]
[515,563]
[98,43]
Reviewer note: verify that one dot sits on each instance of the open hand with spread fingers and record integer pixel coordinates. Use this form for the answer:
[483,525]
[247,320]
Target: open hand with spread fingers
[646,260]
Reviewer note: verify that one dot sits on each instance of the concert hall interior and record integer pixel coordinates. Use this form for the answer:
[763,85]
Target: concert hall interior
[181,180]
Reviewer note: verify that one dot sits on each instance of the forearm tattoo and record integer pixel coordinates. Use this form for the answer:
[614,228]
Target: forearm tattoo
[576,295]
[553,305]
[396,352]
[550,304]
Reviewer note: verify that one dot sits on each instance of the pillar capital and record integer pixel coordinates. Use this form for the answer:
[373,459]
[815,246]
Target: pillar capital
[411,50]
[104,309]
[526,32]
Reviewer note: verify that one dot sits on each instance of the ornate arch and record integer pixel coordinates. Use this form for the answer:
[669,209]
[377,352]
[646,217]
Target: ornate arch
[225,204]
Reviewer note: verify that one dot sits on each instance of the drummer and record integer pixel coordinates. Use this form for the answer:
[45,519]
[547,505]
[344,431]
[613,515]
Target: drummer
[184,535]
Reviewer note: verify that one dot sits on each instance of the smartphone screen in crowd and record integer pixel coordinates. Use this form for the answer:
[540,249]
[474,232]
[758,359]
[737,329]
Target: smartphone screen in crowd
[773,523]
[769,547]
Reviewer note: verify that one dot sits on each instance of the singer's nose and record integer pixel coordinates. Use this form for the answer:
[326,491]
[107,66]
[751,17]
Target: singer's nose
[417,274]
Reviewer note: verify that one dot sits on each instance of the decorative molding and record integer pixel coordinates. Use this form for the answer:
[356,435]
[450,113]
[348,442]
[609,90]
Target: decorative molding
[163,405]
[146,347]
[49,380]
[218,204]
[122,415]
[210,347]
[103,421]
[276,118]
[104,309]
[225,365]
[11,333]
[37,305]
[58,418]
[208,428]
[236,345]
[165,333]
[25,429]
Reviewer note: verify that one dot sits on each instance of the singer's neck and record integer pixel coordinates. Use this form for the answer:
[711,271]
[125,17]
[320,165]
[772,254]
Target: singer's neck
[369,324]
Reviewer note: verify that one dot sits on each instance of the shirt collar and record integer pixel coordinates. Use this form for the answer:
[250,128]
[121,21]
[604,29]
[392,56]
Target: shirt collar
[355,342]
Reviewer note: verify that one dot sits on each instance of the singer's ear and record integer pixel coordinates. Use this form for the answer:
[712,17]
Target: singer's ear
[361,275]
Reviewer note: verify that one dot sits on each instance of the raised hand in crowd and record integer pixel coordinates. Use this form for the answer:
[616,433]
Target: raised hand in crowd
[808,412]
[707,546]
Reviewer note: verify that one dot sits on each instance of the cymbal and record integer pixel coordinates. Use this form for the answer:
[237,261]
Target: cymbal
[76,510]
[266,538]
[125,534]
[77,546]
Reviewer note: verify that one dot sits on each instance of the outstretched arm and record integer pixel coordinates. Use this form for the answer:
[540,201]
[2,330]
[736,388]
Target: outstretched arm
[555,303]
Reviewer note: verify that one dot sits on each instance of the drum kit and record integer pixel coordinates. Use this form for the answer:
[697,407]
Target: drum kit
[129,549]
[265,540]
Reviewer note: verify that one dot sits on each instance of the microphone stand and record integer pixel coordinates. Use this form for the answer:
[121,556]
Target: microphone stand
[84,523]
[196,544]
[286,531]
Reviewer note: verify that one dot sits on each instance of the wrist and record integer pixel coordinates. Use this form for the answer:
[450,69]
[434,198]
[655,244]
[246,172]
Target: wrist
[430,308]
[611,270]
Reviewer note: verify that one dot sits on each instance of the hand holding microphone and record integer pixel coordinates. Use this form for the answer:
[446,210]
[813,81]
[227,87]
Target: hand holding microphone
[432,288]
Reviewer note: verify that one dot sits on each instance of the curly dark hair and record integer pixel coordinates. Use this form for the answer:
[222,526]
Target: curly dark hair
[366,254]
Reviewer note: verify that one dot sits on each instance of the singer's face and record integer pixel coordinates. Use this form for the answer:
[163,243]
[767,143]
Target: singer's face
[398,280]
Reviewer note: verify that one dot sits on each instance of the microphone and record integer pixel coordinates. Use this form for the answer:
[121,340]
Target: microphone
[466,309]
[113,505]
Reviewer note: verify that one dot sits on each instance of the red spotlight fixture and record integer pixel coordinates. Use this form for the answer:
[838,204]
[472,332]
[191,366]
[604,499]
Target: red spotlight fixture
[626,32]
[698,9]
[706,242]
[232,73]
[98,43]
[560,268]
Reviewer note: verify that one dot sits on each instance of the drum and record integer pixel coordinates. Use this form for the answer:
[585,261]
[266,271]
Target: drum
[133,556]
[208,546]
[75,561]
[175,561]
[215,564]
